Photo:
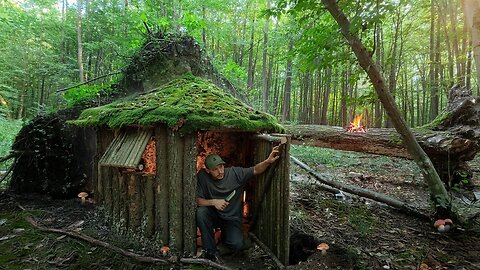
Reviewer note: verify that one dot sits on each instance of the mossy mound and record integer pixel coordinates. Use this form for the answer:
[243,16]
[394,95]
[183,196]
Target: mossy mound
[185,104]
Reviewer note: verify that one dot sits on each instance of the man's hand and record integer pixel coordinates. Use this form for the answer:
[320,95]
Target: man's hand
[262,166]
[220,204]
[274,155]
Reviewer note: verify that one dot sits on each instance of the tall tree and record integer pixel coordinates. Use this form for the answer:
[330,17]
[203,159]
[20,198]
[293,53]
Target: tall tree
[288,85]
[471,9]
[251,66]
[79,42]
[326,95]
[264,66]
[432,82]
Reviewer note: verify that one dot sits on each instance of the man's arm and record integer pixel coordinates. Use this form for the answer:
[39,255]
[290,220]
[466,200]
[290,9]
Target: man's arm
[220,204]
[262,166]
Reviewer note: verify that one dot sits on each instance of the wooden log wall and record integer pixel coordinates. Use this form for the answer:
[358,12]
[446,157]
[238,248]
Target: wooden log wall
[272,225]
[158,209]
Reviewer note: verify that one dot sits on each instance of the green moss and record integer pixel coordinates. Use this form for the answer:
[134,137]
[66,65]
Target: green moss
[395,138]
[437,121]
[188,104]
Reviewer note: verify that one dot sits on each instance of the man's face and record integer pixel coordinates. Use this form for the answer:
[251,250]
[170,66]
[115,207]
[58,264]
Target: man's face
[217,172]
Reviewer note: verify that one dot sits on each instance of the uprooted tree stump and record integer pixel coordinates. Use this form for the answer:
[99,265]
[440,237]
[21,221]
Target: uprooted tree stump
[451,140]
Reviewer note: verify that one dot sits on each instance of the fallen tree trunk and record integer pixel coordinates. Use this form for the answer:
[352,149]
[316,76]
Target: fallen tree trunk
[451,140]
[448,151]
[383,141]
[379,197]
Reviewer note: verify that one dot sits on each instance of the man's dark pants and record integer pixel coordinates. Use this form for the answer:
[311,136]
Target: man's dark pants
[208,219]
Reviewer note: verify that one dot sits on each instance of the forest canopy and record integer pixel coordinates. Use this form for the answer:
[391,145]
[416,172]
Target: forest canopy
[288,57]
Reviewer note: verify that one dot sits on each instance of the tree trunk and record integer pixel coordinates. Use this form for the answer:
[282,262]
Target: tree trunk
[317,97]
[62,45]
[288,87]
[378,112]
[276,90]
[443,10]
[204,30]
[433,84]
[251,71]
[326,95]
[438,192]
[471,9]
[79,41]
[264,66]
[456,51]
[392,76]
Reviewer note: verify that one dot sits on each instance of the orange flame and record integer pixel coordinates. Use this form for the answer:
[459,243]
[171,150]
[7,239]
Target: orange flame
[356,125]
[356,121]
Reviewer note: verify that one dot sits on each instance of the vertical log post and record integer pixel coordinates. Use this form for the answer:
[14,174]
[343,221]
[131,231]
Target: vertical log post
[189,194]
[162,190]
[175,168]
[149,215]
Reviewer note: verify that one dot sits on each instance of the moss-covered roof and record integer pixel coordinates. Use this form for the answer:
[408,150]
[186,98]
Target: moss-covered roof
[186,104]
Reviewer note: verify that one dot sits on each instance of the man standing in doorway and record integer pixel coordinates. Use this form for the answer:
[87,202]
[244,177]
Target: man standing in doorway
[219,193]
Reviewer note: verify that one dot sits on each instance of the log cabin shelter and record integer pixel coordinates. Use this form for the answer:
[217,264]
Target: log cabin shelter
[150,148]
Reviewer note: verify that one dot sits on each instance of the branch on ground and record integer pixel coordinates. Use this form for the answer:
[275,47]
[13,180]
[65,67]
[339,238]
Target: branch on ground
[137,257]
[379,197]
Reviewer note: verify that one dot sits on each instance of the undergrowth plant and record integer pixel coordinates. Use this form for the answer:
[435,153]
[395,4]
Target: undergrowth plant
[9,129]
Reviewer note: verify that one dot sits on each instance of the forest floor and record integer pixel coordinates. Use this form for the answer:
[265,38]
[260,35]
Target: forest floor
[361,233]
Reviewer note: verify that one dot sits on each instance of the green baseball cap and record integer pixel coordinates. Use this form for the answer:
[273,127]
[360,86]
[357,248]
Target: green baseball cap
[213,160]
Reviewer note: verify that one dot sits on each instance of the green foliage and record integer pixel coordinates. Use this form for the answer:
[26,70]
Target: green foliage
[10,129]
[187,104]
[85,93]
[192,22]
[236,74]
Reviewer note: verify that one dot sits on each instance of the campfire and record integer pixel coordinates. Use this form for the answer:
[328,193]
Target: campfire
[356,125]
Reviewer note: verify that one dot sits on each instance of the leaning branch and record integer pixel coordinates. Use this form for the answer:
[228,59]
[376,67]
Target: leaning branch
[379,197]
[89,81]
[9,156]
[267,250]
[7,173]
